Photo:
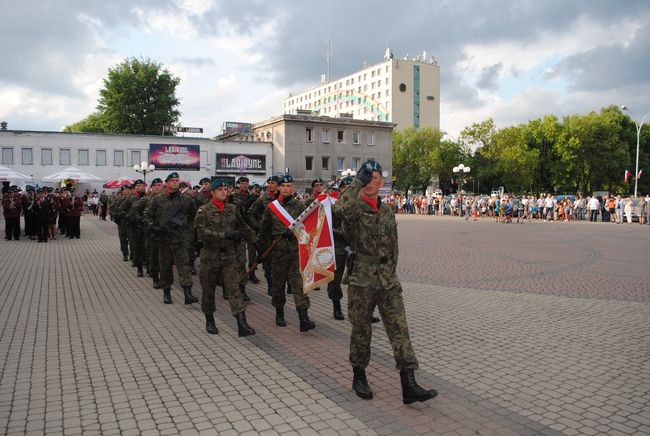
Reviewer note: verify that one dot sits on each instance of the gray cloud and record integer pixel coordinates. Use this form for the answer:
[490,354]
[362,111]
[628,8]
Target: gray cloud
[490,77]
[196,61]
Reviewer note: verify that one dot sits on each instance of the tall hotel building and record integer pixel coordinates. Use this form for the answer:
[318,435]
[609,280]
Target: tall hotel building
[404,91]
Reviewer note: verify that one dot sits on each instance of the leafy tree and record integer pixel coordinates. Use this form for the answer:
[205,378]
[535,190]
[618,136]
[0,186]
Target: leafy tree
[542,135]
[479,137]
[514,162]
[412,149]
[139,97]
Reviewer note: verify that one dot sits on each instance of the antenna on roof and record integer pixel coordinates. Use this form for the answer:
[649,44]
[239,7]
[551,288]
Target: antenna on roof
[328,56]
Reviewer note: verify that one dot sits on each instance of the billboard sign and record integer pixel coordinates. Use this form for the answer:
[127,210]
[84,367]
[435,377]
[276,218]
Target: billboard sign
[241,163]
[233,127]
[175,157]
[175,129]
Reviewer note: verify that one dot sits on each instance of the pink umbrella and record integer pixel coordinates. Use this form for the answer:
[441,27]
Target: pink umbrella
[118,183]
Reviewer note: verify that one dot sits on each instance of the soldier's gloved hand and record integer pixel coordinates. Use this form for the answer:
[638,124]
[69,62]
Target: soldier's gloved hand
[234,236]
[365,175]
[287,234]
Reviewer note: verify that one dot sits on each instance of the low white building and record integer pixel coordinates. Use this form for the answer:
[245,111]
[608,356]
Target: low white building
[39,154]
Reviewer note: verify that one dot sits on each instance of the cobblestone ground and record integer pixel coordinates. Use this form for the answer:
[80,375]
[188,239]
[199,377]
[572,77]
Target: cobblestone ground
[540,328]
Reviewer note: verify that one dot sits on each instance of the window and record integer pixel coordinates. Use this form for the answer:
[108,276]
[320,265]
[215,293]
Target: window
[28,158]
[340,163]
[309,132]
[326,162]
[8,155]
[135,157]
[46,156]
[64,156]
[356,163]
[355,136]
[101,158]
[371,138]
[309,163]
[118,158]
[325,135]
[83,157]
[340,136]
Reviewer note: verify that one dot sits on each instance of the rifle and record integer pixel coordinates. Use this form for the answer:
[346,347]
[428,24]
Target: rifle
[253,267]
[164,227]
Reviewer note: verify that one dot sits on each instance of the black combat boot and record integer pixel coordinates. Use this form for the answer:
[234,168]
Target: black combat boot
[305,323]
[288,288]
[375,320]
[167,296]
[125,257]
[192,267]
[243,329]
[244,295]
[411,391]
[253,278]
[156,281]
[210,326]
[279,317]
[269,286]
[360,383]
[189,298]
[140,272]
[338,313]
[223,292]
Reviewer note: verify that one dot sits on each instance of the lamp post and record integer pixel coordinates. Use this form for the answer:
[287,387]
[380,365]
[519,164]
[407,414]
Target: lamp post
[638,140]
[145,169]
[461,170]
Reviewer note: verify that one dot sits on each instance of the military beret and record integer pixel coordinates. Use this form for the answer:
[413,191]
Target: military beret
[125,187]
[138,182]
[345,181]
[184,185]
[256,186]
[318,180]
[29,188]
[39,190]
[156,181]
[196,187]
[173,175]
[218,183]
[275,179]
[204,180]
[242,179]
[286,179]
[372,165]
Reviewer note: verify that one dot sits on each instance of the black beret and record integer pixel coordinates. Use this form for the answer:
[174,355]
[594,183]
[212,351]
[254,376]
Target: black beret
[318,180]
[345,181]
[156,181]
[204,180]
[196,187]
[242,179]
[275,179]
[286,179]
[218,183]
[138,182]
[173,175]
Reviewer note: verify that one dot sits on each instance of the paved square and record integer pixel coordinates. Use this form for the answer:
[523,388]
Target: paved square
[542,328]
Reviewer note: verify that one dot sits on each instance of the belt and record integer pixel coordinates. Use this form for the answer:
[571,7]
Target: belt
[371,259]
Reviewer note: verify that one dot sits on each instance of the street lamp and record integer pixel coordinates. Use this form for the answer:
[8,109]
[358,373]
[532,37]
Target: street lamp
[144,168]
[638,139]
[461,170]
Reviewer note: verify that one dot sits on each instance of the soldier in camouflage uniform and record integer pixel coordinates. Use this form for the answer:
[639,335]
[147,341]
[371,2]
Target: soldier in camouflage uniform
[219,227]
[153,259]
[334,291]
[242,199]
[284,257]
[255,214]
[317,188]
[370,228]
[120,220]
[169,216]
[135,223]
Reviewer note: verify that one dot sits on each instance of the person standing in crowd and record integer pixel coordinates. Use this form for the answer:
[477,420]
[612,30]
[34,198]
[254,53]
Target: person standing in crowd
[28,212]
[219,227]
[120,220]
[284,261]
[75,207]
[642,209]
[42,208]
[317,188]
[619,205]
[168,217]
[334,291]
[103,205]
[242,199]
[54,213]
[203,195]
[371,229]
[152,246]
[255,214]
[594,206]
[11,207]
[135,223]
[629,208]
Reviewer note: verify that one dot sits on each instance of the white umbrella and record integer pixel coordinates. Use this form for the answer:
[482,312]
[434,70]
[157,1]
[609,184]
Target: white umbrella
[71,173]
[7,174]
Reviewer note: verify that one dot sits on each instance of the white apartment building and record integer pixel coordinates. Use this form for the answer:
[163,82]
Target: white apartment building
[404,91]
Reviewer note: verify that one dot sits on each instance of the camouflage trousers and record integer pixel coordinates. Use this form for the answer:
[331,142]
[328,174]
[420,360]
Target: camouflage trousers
[285,270]
[361,304]
[217,267]
[171,253]
[153,254]
[241,261]
[334,291]
[136,236]
[123,232]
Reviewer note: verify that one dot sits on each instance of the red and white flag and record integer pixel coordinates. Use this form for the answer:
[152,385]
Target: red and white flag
[627,175]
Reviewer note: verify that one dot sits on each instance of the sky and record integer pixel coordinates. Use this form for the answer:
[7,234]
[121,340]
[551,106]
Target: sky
[508,60]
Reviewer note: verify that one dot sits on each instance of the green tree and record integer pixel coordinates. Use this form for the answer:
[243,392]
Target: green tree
[93,123]
[515,164]
[138,97]
[479,137]
[412,149]
[542,135]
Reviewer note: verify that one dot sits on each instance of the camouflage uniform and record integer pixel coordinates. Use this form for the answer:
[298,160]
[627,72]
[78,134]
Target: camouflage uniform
[151,244]
[334,291]
[284,258]
[122,226]
[373,279]
[243,202]
[174,245]
[133,216]
[218,255]
[254,215]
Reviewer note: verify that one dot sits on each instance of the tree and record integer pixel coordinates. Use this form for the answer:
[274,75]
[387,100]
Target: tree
[139,97]
[411,152]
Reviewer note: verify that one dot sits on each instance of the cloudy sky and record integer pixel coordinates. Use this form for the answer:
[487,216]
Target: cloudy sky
[237,59]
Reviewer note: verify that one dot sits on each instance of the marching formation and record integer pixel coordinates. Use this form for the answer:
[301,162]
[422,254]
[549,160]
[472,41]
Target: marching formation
[232,229]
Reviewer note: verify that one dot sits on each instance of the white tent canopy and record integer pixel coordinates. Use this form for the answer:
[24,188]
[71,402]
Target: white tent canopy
[71,173]
[7,175]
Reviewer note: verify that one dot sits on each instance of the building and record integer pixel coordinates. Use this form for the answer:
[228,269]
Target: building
[107,156]
[309,146]
[404,91]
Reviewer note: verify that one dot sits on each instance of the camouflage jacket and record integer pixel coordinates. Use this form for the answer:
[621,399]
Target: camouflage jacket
[114,209]
[272,227]
[147,204]
[125,211]
[373,237]
[243,202]
[180,223]
[135,214]
[212,225]
[202,198]
[256,211]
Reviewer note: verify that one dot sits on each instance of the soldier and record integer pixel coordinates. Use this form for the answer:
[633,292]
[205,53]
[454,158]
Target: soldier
[103,203]
[201,197]
[41,209]
[219,228]
[135,223]
[255,214]
[284,261]
[242,199]
[11,206]
[152,247]
[370,228]
[317,188]
[120,220]
[169,215]
[334,291]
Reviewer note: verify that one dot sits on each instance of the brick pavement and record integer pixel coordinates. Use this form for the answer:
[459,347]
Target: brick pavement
[87,347]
